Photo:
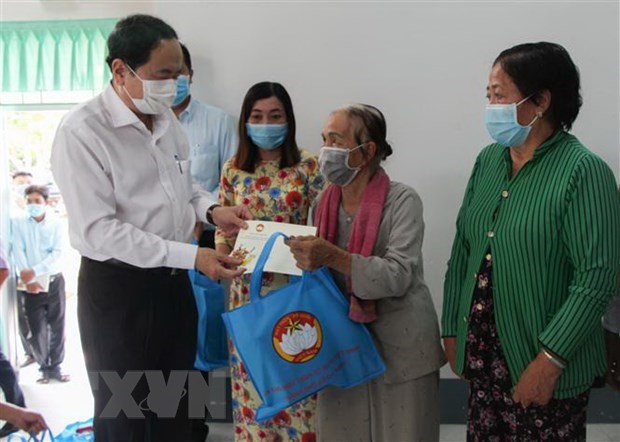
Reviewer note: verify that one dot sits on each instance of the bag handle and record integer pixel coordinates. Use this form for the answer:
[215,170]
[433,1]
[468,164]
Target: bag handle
[33,437]
[257,276]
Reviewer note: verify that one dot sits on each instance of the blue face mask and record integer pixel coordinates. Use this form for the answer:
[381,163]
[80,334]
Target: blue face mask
[35,210]
[267,136]
[502,125]
[182,89]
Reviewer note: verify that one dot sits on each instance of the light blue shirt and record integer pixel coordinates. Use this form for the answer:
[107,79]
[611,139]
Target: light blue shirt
[38,246]
[213,139]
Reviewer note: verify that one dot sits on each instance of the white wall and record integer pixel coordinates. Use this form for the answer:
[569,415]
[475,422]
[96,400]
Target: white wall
[26,10]
[425,65]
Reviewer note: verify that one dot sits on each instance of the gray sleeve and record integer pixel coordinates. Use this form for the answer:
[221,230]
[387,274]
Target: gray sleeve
[392,274]
[611,320]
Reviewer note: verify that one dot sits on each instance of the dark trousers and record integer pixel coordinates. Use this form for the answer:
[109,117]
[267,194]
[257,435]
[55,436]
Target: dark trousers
[8,382]
[22,322]
[45,312]
[136,320]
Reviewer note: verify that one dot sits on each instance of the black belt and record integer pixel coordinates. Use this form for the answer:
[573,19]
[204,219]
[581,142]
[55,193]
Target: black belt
[168,271]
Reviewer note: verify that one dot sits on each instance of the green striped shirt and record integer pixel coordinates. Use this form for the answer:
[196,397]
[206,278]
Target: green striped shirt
[554,234]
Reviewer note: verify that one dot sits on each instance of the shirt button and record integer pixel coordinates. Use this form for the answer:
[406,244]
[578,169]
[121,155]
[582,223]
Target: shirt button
[475,275]
[504,194]
[479,307]
[488,257]
[490,234]
[464,318]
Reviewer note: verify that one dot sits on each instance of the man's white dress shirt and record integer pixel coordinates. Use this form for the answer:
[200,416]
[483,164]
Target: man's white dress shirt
[128,192]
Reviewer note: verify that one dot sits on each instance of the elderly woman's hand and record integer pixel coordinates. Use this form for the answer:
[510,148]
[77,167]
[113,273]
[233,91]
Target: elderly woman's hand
[537,382]
[312,252]
[449,347]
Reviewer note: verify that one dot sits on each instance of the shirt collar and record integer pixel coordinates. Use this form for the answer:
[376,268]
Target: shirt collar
[188,110]
[35,222]
[541,150]
[550,143]
[121,115]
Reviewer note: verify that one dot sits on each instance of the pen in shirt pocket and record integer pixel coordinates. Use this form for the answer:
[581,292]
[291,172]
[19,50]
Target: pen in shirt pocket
[176,158]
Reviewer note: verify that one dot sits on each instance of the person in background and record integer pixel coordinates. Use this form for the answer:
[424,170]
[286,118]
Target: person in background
[8,381]
[276,181]
[131,218]
[370,232]
[212,139]
[38,241]
[535,258]
[21,180]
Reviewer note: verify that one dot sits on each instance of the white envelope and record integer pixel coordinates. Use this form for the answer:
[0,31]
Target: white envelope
[250,243]
[43,280]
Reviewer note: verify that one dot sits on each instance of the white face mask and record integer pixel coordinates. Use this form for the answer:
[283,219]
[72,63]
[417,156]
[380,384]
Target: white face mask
[334,165]
[158,95]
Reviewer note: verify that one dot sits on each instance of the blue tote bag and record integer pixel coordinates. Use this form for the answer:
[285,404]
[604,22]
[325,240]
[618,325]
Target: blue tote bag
[41,437]
[298,339]
[77,432]
[212,347]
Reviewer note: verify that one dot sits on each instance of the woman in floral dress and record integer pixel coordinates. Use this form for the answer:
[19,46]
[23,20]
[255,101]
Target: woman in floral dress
[278,182]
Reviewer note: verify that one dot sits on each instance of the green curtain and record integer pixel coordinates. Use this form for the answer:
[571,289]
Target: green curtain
[67,55]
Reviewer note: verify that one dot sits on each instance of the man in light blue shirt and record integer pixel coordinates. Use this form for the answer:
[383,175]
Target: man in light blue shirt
[212,135]
[37,247]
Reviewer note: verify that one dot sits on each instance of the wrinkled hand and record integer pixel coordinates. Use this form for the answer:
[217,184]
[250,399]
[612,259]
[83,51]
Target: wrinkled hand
[613,359]
[30,421]
[449,347]
[311,252]
[537,382]
[27,275]
[231,219]
[34,288]
[217,266]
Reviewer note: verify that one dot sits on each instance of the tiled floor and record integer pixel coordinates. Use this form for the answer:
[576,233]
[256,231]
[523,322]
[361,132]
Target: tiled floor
[62,404]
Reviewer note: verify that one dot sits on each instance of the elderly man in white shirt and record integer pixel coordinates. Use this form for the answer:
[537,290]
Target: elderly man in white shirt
[121,163]
[212,136]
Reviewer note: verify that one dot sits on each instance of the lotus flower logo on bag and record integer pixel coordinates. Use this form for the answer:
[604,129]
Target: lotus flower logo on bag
[297,337]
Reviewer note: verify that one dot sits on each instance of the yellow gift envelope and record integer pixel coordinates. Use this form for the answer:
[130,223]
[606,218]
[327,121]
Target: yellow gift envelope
[250,244]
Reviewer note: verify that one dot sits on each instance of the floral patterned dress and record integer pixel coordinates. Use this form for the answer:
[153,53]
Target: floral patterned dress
[492,414]
[281,195]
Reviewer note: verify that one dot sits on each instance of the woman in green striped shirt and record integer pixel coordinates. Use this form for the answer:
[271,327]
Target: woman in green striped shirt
[535,258]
